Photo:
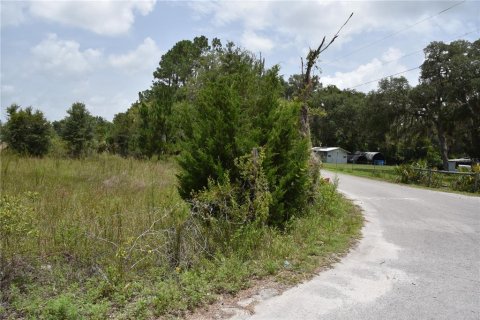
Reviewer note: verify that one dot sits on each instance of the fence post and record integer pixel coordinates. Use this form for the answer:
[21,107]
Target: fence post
[429,176]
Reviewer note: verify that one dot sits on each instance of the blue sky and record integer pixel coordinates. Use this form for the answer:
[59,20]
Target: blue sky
[102,53]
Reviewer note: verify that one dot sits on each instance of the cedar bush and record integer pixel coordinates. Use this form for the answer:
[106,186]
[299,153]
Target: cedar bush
[234,108]
[287,164]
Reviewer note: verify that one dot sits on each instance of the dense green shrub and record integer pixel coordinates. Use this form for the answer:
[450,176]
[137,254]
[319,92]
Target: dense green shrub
[26,132]
[287,164]
[467,182]
[61,308]
[235,107]
[226,207]
[418,173]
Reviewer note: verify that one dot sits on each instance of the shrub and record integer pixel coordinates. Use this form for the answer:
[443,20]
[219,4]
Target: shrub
[26,132]
[61,308]
[467,182]
[18,227]
[287,165]
[235,108]
[227,206]
[418,173]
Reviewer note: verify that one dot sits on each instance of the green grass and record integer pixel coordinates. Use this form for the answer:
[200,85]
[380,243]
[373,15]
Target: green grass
[386,173]
[95,238]
[438,181]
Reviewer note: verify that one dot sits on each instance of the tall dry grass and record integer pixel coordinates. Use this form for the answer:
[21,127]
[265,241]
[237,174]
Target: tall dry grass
[108,237]
[98,212]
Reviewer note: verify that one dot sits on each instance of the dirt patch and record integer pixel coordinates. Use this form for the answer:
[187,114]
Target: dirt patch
[242,305]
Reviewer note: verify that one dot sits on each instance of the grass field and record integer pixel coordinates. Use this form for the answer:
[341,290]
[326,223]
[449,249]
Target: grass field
[364,170]
[436,180]
[96,238]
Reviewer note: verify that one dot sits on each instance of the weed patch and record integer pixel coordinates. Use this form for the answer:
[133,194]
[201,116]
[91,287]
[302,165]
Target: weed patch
[108,237]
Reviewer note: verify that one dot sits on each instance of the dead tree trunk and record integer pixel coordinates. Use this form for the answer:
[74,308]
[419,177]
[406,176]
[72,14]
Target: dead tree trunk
[307,83]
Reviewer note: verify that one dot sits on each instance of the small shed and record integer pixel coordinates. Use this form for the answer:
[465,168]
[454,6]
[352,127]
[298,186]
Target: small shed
[331,154]
[375,158]
[368,157]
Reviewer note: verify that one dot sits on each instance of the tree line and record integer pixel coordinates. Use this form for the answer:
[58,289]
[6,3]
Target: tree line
[433,121]
[437,119]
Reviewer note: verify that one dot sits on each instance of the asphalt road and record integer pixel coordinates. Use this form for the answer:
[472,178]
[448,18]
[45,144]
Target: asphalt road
[419,258]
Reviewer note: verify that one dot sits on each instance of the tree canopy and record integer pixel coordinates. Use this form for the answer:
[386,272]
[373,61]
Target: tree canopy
[26,131]
[77,129]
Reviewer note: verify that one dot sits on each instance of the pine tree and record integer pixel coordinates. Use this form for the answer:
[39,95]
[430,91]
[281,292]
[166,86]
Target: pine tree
[78,130]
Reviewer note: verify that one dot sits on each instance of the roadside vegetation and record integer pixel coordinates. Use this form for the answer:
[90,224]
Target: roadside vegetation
[417,174]
[98,237]
[215,187]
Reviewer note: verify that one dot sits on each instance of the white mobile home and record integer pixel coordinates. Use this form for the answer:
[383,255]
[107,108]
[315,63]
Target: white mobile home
[331,154]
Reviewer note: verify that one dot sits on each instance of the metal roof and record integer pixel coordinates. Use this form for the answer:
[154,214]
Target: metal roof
[460,160]
[328,149]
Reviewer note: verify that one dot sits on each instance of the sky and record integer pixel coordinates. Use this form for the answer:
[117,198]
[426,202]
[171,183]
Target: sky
[102,53]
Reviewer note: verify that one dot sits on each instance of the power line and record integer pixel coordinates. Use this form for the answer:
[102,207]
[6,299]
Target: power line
[391,75]
[396,32]
[406,55]
[421,50]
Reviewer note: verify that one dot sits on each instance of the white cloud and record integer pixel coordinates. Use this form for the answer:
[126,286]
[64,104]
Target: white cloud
[255,43]
[64,57]
[372,70]
[254,14]
[107,17]
[106,105]
[7,89]
[391,54]
[144,58]
[304,23]
[12,13]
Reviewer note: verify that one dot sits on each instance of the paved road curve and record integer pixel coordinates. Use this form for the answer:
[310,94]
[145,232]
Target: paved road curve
[419,259]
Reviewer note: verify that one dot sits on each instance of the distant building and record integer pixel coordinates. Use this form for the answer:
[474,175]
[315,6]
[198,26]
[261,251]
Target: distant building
[375,158]
[331,154]
[453,164]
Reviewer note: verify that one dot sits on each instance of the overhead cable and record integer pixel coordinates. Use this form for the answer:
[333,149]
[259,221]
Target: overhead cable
[395,33]
[391,75]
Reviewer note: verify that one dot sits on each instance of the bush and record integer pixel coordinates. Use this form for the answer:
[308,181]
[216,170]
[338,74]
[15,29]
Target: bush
[235,109]
[287,165]
[467,182]
[61,308]
[18,229]
[229,206]
[26,132]
[418,173]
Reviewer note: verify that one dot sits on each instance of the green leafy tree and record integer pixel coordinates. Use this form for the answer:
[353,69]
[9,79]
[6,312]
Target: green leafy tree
[101,131]
[338,117]
[179,63]
[155,114]
[448,94]
[26,132]
[393,124]
[78,129]
[122,137]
